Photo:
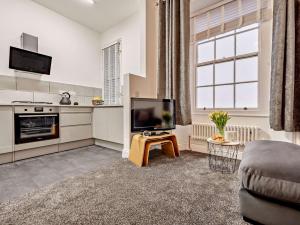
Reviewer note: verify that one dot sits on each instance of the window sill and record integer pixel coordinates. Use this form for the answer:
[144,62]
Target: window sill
[235,113]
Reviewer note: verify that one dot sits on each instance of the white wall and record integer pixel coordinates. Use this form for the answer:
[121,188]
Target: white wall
[75,49]
[145,82]
[131,32]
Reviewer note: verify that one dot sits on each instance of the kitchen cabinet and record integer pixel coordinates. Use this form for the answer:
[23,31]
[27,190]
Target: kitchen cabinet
[73,119]
[75,133]
[75,124]
[65,109]
[78,127]
[108,124]
[6,131]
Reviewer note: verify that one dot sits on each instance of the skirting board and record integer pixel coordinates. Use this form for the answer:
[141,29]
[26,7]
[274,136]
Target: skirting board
[75,144]
[107,144]
[6,158]
[30,153]
[43,150]
[36,144]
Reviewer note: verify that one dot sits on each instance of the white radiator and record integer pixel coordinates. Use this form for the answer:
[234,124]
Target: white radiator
[244,133]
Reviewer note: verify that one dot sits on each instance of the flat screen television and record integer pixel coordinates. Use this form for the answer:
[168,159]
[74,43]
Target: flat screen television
[152,114]
[23,60]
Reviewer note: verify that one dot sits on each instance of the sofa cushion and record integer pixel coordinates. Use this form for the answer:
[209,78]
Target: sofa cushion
[272,169]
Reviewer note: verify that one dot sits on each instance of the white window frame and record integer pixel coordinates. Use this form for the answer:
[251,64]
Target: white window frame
[118,101]
[259,111]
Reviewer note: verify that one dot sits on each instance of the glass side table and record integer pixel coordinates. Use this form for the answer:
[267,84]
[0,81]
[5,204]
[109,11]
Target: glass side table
[222,157]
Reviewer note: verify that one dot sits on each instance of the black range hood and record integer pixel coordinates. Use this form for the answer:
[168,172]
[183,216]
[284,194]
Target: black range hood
[24,60]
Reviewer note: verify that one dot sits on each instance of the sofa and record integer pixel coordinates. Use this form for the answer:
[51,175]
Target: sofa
[270,183]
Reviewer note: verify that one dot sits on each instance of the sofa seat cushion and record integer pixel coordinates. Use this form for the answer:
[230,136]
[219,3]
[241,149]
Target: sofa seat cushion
[272,169]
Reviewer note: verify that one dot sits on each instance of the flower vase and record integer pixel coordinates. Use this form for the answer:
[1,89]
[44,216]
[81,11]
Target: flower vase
[221,131]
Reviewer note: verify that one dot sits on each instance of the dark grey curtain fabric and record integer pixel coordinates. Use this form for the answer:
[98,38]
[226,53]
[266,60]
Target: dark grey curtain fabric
[285,76]
[173,56]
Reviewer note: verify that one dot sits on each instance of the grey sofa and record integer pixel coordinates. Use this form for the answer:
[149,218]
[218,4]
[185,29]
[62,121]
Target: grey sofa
[270,183]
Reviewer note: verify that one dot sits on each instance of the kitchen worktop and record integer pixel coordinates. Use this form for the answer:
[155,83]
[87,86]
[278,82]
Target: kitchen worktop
[58,105]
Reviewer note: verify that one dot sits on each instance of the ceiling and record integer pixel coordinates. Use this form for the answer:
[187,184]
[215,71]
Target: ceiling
[200,4]
[99,16]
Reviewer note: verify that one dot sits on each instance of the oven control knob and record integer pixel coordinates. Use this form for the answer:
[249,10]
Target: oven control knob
[25,110]
[50,110]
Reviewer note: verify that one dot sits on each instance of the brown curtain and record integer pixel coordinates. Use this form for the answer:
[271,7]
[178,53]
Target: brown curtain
[173,56]
[285,76]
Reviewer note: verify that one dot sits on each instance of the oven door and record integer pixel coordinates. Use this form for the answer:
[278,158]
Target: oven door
[36,127]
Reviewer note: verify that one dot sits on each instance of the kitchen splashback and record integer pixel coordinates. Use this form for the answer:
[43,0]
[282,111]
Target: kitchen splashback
[23,89]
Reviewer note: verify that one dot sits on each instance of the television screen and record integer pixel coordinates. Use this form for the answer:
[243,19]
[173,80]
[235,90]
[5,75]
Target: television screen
[23,60]
[152,114]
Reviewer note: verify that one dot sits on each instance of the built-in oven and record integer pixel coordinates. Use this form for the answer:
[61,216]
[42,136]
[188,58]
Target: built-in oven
[36,124]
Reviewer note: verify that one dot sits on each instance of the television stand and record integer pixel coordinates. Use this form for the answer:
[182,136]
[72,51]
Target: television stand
[140,147]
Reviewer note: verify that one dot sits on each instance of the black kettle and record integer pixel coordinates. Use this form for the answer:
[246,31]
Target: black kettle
[65,99]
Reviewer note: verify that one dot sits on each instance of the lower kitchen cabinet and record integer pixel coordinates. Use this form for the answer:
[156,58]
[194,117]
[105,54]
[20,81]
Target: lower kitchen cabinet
[108,124]
[75,124]
[73,119]
[75,133]
[6,131]
[78,127]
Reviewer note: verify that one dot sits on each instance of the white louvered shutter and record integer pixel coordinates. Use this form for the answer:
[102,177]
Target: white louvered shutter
[111,57]
[230,16]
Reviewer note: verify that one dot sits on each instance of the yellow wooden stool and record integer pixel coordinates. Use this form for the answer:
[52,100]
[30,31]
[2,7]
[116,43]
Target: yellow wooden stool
[140,147]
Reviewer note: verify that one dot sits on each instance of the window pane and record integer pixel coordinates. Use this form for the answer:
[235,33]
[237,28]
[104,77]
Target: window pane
[247,42]
[246,69]
[246,95]
[225,47]
[224,96]
[205,97]
[206,52]
[224,73]
[205,75]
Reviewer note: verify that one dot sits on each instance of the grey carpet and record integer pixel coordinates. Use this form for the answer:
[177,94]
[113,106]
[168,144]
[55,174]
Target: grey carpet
[180,191]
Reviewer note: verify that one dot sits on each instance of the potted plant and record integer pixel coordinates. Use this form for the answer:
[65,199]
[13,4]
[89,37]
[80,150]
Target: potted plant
[220,119]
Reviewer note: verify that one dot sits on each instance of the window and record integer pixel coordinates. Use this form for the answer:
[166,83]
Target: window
[111,61]
[227,70]
[226,40]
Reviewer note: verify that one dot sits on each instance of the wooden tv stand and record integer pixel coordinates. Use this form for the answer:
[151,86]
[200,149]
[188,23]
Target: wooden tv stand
[140,147]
